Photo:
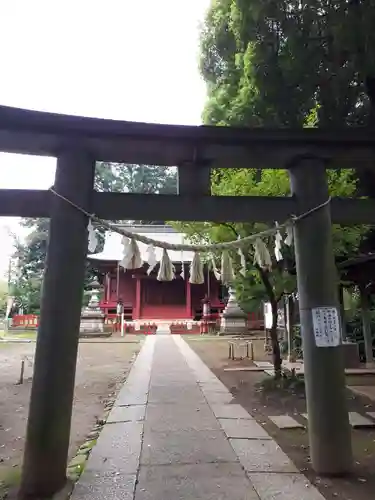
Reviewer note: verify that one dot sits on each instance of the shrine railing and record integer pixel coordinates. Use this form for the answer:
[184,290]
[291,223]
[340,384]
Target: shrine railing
[25,321]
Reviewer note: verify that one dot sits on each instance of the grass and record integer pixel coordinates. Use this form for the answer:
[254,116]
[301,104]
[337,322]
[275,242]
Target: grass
[287,383]
[10,478]
[202,337]
[23,334]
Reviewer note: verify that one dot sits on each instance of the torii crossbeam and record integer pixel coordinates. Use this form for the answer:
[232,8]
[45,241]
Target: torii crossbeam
[78,143]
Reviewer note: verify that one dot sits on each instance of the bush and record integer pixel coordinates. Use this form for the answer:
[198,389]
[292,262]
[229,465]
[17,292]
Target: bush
[354,332]
[297,343]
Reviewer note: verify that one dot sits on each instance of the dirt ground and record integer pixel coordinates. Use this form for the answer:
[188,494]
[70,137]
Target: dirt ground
[255,392]
[102,366]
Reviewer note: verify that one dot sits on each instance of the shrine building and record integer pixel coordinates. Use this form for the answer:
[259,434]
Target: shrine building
[143,296]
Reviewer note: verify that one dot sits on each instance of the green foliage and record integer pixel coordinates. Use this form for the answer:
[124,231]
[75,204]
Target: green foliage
[288,383]
[284,64]
[252,293]
[354,330]
[142,179]
[272,63]
[296,343]
[247,182]
[3,296]
[30,254]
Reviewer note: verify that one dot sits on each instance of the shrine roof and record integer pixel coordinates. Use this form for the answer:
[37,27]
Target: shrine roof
[113,249]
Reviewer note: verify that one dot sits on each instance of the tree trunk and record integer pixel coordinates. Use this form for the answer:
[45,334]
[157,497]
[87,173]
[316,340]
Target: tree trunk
[370,90]
[276,355]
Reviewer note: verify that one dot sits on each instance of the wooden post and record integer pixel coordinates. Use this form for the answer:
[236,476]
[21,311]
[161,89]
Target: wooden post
[194,180]
[122,318]
[188,297]
[118,281]
[48,429]
[289,328]
[108,286]
[329,429]
[137,298]
[366,325]
[342,313]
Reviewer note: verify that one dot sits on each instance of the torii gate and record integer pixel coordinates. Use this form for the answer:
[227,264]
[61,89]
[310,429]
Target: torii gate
[79,142]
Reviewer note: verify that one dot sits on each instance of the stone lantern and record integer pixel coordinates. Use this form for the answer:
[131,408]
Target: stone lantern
[92,317]
[233,319]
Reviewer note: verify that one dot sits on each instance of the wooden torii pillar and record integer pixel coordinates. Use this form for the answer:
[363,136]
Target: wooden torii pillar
[48,428]
[328,421]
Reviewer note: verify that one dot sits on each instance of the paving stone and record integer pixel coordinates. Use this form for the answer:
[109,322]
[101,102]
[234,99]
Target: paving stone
[286,422]
[358,421]
[262,455]
[243,429]
[131,399]
[126,414]
[186,447]
[210,379]
[185,381]
[194,482]
[360,371]
[136,387]
[363,390]
[284,487]
[170,373]
[230,411]
[244,369]
[183,417]
[104,486]
[176,395]
[213,386]
[218,397]
[263,364]
[118,449]
[181,457]
[169,370]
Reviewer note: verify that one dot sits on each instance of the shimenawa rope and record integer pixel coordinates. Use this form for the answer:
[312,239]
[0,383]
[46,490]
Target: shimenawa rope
[189,247]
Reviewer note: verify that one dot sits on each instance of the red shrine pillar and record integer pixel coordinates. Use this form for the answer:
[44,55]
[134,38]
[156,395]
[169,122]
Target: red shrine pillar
[137,308]
[188,298]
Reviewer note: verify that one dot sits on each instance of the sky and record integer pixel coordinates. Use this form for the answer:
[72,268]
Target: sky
[119,59]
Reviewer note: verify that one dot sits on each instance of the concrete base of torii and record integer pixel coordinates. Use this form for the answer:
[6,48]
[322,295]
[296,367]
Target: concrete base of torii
[233,319]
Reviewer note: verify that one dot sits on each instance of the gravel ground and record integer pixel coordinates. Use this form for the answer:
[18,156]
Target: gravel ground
[101,368]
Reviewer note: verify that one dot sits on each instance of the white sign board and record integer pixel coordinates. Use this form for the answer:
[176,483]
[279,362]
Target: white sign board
[10,301]
[268,315]
[326,326]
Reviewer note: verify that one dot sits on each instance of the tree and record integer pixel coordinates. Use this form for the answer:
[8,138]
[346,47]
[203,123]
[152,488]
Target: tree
[3,296]
[261,284]
[286,64]
[271,62]
[30,254]
[142,179]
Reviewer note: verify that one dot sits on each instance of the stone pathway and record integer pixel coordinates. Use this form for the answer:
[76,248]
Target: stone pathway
[356,420]
[174,434]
